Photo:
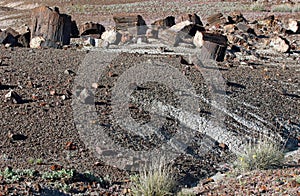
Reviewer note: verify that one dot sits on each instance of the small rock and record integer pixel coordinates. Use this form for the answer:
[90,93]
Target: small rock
[56,167]
[86,96]
[17,137]
[95,85]
[13,97]
[70,146]
[36,42]
[111,36]
[280,44]
[69,72]
[37,188]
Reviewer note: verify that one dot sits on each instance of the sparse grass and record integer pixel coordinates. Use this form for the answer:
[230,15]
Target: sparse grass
[257,6]
[157,180]
[56,175]
[11,175]
[286,8]
[263,155]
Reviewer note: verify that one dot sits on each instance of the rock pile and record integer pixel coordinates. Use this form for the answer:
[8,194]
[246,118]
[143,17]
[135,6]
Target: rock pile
[221,37]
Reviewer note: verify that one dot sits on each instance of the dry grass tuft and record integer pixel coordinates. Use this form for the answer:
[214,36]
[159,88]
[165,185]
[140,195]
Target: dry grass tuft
[260,156]
[156,180]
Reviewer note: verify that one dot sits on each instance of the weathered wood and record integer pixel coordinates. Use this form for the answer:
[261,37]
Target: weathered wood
[194,18]
[90,28]
[213,46]
[7,38]
[181,32]
[245,28]
[134,23]
[236,17]
[165,23]
[54,27]
[216,19]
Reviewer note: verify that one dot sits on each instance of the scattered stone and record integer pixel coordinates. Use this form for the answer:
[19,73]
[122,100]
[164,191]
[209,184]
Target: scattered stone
[52,92]
[230,28]
[13,97]
[86,96]
[56,167]
[69,72]
[70,146]
[17,137]
[294,25]
[280,44]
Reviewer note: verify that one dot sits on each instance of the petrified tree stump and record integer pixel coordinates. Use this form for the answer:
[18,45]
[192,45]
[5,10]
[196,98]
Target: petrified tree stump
[213,46]
[49,24]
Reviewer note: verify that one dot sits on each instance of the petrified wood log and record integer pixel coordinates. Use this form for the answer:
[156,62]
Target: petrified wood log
[213,46]
[54,27]
[134,23]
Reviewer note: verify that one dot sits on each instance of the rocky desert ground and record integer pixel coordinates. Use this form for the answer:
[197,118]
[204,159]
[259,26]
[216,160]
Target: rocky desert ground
[194,80]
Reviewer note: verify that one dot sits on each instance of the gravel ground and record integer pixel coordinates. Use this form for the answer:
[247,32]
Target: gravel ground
[50,137]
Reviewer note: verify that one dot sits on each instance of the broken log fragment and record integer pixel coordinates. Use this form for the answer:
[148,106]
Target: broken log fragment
[213,46]
[54,27]
[164,23]
[135,23]
[90,28]
[216,19]
[194,18]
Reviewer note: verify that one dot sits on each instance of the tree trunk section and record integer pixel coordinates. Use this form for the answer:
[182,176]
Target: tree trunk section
[54,27]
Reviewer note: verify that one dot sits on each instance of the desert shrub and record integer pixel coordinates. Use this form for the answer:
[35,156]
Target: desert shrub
[257,7]
[262,155]
[282,8]
[156,180]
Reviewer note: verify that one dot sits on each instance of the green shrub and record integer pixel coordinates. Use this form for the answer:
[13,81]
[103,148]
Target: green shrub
[263,155]
[257,7]
[286,8]
[158,181]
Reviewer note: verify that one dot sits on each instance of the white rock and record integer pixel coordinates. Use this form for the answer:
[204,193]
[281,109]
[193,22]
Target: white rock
[198,39]
[111,36]
[36,42]
[180,26]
